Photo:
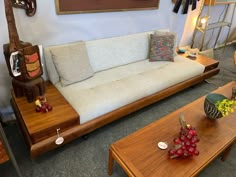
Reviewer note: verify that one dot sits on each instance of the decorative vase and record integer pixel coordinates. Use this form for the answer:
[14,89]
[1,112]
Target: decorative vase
[210,108]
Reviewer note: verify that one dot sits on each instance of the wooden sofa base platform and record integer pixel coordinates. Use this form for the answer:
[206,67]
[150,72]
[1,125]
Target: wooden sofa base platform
[75,130]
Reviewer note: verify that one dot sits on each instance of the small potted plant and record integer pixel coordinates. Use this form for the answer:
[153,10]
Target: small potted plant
[226,106]
[217,106]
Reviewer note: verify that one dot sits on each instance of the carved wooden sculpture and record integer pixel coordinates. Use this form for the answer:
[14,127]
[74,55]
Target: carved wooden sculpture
[23,61]
[30,6]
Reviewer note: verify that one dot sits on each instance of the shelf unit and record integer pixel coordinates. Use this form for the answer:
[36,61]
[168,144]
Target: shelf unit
[220,25]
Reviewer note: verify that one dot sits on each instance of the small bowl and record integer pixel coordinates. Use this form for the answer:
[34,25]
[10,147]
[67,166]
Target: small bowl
[181,50]
[192,54]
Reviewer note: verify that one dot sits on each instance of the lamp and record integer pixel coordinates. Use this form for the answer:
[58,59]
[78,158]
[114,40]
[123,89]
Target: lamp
[204,21]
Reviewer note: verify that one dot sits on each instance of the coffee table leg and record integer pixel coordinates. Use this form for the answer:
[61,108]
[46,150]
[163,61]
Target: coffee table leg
[110,162]
[226,153]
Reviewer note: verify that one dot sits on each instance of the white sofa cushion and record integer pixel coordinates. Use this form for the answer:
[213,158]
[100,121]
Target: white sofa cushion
[112,52]
[107,53]
[72,63]
[114,88]
[53,75]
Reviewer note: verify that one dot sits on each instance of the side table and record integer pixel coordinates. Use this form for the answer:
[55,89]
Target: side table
[209,63]
[39,128]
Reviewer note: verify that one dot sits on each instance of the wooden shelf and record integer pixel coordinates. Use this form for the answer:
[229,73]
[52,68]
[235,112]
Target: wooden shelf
[213,26]
[217,25]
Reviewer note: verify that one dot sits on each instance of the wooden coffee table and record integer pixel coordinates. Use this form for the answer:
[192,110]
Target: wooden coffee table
[139,155]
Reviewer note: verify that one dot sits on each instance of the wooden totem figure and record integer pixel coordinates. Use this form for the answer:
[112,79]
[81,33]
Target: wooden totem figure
[23,61]
[30,6]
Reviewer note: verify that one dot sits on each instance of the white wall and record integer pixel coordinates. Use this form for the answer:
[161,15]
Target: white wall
[47,28]
[189,25]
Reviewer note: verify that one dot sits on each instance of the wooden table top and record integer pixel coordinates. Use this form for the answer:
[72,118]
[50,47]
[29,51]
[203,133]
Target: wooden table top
[41,125]
[209,63]
[206,61]
[138,153]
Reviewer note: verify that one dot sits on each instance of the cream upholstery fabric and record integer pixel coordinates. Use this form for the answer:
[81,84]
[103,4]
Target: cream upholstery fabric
[107,53]
[51,69]
[123,75]
[110,89]
[112,52]
[72,63]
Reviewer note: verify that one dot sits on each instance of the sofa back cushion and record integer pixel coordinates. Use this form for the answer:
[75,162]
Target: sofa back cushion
[72,63]
[51,69]
[108,53]
[116,51]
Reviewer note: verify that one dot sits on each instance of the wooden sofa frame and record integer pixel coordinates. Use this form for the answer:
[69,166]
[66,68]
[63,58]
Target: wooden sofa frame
[78,130]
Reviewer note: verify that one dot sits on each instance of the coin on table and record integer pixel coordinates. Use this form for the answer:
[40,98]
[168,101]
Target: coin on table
[162,145]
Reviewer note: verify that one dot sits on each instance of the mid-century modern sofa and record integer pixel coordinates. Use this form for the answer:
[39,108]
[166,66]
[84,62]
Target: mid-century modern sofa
[106,79]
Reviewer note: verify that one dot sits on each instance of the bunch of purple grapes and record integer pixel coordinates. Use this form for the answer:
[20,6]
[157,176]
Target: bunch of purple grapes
[42,105]
[185,144]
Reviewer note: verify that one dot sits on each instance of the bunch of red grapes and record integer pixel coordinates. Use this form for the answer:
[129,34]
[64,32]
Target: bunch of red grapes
[42,105]
[185,144]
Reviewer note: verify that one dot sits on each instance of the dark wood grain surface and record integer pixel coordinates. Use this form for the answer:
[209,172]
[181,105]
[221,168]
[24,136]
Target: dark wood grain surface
[103,5]
[42,125]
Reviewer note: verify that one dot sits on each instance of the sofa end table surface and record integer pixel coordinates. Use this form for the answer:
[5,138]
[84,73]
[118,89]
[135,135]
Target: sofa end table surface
[139,155]
[39,126]
[209,63]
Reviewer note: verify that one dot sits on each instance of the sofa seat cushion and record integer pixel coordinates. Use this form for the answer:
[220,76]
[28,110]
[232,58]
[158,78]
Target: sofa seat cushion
[117,87]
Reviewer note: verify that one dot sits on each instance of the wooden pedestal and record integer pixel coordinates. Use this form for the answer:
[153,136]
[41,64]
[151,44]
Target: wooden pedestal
[30,89]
